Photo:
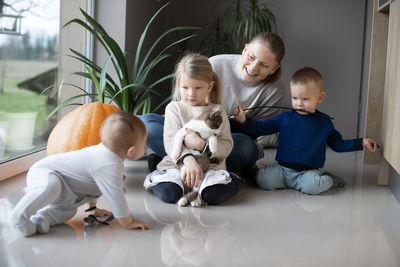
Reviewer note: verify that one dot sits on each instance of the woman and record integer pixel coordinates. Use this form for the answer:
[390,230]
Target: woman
[252,79]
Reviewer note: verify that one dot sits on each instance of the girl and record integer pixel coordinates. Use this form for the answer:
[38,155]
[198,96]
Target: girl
[253,79]
[196,92]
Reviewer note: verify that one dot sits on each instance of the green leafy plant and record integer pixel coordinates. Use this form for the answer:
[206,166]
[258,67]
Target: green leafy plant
[132,92]
[237,25]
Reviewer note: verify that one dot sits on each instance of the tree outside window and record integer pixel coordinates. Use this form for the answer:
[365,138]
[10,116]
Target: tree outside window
[28,65]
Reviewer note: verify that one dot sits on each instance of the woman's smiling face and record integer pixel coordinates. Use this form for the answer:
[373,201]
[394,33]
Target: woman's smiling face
[257,63]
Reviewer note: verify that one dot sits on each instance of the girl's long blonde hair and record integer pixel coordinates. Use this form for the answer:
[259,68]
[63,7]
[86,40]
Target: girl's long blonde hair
[196,66]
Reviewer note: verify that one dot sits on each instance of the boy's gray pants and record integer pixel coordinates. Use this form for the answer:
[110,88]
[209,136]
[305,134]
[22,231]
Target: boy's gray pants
[310,182]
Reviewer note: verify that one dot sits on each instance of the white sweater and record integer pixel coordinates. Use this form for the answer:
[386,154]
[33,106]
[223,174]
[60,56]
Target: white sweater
[178,113]
[235,91]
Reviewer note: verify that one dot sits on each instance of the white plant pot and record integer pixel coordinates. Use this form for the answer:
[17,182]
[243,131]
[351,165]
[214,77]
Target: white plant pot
[21,127]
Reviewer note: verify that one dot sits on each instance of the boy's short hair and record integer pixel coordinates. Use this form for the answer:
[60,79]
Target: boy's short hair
[122,130]
[307,75]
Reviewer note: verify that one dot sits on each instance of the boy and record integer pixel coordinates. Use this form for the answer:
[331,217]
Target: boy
[303,135]
[59,184]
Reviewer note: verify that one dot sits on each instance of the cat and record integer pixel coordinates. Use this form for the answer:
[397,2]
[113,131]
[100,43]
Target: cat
[208,127]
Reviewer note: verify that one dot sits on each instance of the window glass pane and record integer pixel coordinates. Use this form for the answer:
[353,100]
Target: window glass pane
[28,65]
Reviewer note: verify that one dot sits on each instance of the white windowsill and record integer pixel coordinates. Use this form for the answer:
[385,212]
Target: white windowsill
[17,166]
[12,184]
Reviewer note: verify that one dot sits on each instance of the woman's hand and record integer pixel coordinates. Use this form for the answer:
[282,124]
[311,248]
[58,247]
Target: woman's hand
[239,114]
[370,144]
[191,172]
[193,141]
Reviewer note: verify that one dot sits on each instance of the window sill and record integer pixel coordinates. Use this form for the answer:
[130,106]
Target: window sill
[20,165]
[12,184]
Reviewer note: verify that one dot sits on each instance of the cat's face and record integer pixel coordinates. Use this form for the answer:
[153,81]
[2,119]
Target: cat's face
[214,120]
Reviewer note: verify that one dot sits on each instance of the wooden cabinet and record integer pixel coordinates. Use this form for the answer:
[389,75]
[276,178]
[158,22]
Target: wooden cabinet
[391,101]
[383,102]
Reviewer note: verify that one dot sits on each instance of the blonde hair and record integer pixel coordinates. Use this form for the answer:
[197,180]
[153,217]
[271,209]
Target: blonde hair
[196,66]
[274,44]
[121,130]
[307,75]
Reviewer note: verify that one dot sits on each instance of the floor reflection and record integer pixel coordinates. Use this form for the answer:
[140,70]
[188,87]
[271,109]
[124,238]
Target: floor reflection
[352,226]
[192,236]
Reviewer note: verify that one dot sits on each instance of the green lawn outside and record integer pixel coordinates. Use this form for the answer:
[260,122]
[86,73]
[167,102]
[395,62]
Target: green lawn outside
[16,99]
[21,100]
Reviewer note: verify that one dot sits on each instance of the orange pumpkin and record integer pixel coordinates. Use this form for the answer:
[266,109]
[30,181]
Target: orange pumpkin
[79,128]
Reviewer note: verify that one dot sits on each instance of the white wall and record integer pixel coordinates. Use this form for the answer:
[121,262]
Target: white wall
[329,36]
[324,34]
[112,16]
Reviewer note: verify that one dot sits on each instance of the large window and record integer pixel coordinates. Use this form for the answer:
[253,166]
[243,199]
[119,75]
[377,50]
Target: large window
[28,65]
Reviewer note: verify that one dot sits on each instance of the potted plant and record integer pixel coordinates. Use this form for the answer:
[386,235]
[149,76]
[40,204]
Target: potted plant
[3,136]
[131,91]
[16,131]
[237,25]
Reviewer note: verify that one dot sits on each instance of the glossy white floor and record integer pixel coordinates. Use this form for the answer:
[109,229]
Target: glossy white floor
[353,226]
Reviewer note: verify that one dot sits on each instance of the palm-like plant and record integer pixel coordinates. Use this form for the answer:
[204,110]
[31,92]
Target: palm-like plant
[240,22]
[131,93]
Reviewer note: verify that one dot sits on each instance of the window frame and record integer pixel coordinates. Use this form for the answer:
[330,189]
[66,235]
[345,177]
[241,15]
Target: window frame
[19,165]
[73,36]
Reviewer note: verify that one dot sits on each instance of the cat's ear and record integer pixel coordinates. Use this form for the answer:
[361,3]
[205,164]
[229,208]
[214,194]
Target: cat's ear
[217,113]
[217,110]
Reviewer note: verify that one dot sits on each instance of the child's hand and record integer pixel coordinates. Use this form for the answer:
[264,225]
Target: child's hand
[101,212]
[93,210]
[191,172]
[370,144]
[193,140]
[239,114]
[130,223]
[137,224]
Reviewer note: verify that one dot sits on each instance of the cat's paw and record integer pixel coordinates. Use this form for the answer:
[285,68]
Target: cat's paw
[196,202]
[182,201]
[212,144]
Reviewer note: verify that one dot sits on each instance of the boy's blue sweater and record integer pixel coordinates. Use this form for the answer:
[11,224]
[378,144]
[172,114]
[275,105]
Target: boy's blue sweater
[302,138]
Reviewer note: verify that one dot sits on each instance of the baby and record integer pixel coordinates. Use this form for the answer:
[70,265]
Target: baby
[59,184]
[303,135]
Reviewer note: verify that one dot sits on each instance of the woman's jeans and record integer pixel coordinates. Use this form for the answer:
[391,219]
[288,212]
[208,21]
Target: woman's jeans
[243,156]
